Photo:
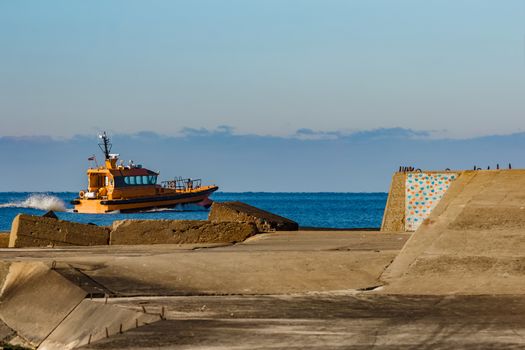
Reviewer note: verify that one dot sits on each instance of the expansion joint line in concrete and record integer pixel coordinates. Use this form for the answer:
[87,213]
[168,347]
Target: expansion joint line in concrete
[59,323]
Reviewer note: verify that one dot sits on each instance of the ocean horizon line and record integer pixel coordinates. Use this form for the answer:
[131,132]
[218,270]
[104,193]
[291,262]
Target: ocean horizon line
[232,192]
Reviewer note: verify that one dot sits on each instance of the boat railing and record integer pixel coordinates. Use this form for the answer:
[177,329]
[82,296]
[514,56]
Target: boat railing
[181,184]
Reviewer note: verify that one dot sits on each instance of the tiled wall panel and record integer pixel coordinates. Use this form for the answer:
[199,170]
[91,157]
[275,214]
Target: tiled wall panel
[423,193]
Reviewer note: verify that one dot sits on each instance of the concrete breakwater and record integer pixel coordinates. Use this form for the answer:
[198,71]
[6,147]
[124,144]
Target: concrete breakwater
[229,223]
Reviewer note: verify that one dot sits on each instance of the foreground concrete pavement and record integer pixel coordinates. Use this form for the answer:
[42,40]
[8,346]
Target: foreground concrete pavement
[326,321]
[277,263]
[283,290]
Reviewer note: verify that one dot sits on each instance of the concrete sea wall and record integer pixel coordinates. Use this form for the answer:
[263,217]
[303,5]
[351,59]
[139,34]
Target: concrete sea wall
[472,242]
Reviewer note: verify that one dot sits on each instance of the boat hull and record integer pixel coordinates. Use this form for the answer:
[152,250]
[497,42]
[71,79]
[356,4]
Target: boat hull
[100,206]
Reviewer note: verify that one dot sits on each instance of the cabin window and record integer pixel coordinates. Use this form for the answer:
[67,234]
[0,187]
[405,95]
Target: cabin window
[96,181]
[140,180]
[106,181]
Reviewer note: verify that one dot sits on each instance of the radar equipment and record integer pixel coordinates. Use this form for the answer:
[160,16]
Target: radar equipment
[105,146]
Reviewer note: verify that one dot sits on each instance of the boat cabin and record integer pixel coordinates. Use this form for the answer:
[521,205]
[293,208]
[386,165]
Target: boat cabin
[120,182]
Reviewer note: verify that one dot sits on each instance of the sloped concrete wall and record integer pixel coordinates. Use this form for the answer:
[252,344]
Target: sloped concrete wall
[34,299]
[40,308]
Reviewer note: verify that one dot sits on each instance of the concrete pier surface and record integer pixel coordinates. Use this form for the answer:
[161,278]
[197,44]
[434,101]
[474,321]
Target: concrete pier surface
[457,282]
[107,292]
[276,263]
[305,289]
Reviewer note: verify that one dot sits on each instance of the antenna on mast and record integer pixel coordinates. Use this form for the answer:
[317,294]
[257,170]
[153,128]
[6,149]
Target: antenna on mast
[105,146]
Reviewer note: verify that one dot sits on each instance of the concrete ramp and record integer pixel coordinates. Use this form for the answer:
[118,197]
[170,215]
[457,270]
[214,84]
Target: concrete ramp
[473,242]
[34,299]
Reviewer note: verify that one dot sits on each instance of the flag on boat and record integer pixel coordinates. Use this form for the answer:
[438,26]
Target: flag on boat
[91,158]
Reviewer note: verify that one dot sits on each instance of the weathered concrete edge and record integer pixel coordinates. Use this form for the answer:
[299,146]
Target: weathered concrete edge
[397,177]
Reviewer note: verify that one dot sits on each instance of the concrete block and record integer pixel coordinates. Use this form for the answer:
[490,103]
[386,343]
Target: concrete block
[37,231]
[179,232]
[242,212]
[4,240]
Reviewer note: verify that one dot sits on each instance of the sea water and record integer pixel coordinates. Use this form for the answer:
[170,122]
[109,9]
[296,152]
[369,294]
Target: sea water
[330,210]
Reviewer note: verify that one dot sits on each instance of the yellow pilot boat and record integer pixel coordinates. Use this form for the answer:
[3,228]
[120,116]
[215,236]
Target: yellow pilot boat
[115,186]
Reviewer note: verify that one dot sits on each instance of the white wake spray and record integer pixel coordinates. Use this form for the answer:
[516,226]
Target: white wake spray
[38,201]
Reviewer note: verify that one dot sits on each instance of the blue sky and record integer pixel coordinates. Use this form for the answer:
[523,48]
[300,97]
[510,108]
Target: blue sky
[260,95]
[266,67]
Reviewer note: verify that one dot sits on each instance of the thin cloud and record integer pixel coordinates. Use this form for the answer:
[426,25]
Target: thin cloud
[308,160]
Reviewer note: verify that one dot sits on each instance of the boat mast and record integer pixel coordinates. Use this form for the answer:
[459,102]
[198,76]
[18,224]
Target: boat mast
[105,146]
